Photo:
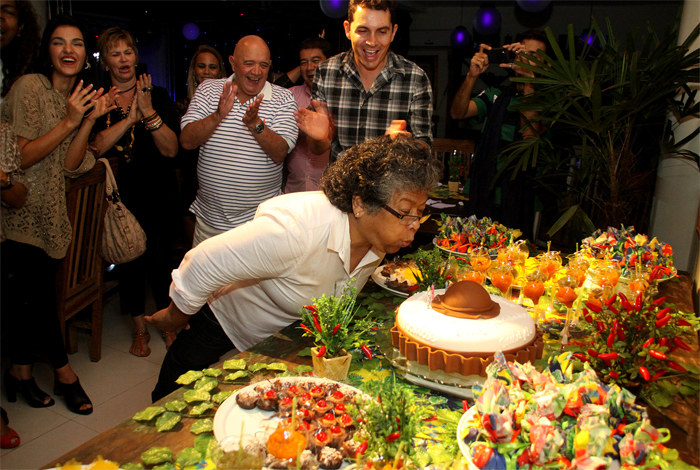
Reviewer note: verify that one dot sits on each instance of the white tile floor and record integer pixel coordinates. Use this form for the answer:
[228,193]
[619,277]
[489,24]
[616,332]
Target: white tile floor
[118,385]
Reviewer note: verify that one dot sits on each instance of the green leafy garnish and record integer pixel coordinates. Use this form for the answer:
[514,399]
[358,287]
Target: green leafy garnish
[149,413]
[206,383]
[236,375]
[302,369]
[278,366]
[212,372]
[189,377]
[132,466]
[306,352]
[202,425]
[165,466]
[175,405]
[258,366]
[201,408]
[221,396]
[234,364]
[188,456]
[167,421]
[156,455]
[204,443]
[196,395]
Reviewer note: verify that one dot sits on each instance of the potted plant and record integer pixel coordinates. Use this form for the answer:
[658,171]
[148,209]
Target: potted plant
[329,320]
[456,167]
[606,108]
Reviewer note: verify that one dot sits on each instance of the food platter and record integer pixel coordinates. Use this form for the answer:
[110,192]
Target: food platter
[257,425]
[380,279]
[463,446]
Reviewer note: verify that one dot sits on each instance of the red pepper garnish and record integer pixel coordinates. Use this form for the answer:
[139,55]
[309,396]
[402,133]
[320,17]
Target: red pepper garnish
[659,301]
[648,343]
[616,325]
[614,374]
[658,355]
[624,301]
[682,344]
[645,373]
[335,329]
[662,313]
[593,307]
[412,288]
[614,310]
[611,340]
[317,324]
[366,350]
[658,375]
[638,302]
[581,357]
[392,437]
[663,342]
[682,322]
[670,351]
[311,308]
[465,405]
[321,351]
[611,300]
[588,318]
[621,334]
[676,366]
[592,352]
[663,322]
[307,329]
[609,356]
[361,449]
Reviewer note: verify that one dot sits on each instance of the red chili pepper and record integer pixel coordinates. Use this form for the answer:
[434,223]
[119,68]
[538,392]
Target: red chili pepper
[663,322]
[592,352]
[335,329]
[621,334]
[593,307]
[600,325]
[676,366]
[662,313]
[682,344]
[312,308]
[638,302]
[611,300]
[670,351]
[609,356]
[682,322]
[654,273]
[307,329]
[317,324]
[645,373]
[616,325]
[658,375]
[657,354]
[392,437]
[465,405]
[648,343]
[624,301]
[361,449]
[581,357]
[366,350]
[611,340]
[412,288]
[614,310]
[321,351]
[659,301]
[663,342]
[614,374]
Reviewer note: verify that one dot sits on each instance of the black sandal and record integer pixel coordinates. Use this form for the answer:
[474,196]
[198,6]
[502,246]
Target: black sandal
[74,395]
[28,389]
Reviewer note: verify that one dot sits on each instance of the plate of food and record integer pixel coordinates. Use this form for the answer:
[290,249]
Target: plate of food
[261,413]
[396,277]
[458,234]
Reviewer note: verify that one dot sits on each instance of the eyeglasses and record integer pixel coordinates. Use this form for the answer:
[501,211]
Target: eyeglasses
[405,218]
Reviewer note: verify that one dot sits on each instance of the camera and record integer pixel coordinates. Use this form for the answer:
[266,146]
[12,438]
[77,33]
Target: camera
[499,55]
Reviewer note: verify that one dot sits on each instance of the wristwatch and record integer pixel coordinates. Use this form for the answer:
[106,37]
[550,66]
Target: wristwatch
[9,183]
[260,127]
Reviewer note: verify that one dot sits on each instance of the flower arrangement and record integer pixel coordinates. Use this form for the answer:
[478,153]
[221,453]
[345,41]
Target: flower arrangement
[456,166]
[329,320]
[431,267]
[631,341]
[459,234]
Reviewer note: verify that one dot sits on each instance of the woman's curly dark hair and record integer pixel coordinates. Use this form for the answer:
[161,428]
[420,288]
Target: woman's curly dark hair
[379,168]
[18,57]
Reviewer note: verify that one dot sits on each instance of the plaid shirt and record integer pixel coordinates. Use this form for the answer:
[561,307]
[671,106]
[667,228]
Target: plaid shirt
[401,91]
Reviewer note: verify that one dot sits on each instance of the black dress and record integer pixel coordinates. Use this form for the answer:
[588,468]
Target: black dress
[148,188]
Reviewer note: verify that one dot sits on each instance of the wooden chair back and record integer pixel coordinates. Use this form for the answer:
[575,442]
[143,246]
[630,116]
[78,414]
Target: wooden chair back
[79,279]
[443,148]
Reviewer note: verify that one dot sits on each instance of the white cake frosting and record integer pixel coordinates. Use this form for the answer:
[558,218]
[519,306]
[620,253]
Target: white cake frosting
[512,328]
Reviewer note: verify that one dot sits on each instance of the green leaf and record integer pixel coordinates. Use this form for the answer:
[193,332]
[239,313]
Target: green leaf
[694,384]
[258,366]
[306,352]
[687,391]
[680,465]
[132,466]
[201,408]
[377,295]
[371,365]
[149,413]
[221,396]
[661,400]
[437,400]
[212,372]
[175,405]
[206,384]
[202,425]
[692,368]
[302,369]
[377,307]
[165,466]
[204,443]
[239,374]
[280,366]
[668,387]
[156,455]
[234,364]
[189,456]
[196,395]
[167,421]
[189,377]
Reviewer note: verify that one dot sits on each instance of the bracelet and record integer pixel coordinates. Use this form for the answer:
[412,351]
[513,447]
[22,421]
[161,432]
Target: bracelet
[149,117]
[155,124]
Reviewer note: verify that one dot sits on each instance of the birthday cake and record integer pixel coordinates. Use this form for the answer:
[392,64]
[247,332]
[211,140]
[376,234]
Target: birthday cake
[461,328]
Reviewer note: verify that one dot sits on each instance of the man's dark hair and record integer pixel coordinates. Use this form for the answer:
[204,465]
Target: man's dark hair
[316,43]
[18,57]
[381,5]
[536,35]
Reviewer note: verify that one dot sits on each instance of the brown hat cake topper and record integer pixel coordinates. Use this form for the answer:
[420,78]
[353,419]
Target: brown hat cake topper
[466,299]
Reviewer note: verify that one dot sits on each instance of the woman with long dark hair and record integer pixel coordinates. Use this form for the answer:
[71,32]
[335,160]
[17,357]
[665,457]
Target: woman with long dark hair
[52,114]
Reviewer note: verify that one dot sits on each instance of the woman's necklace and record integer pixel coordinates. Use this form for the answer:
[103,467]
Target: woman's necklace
[129,143]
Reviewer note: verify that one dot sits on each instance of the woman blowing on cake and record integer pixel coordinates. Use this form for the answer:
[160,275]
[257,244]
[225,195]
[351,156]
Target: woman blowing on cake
[251,281]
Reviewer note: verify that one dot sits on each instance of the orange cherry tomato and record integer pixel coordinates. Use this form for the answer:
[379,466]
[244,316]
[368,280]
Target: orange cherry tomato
[566,295]
[502,282]
[533,290]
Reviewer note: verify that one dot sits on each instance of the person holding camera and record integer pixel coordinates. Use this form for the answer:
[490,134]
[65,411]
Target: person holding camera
[511,202]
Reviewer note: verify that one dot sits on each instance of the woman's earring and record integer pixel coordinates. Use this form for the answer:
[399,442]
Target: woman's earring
[87,65]
[357,214]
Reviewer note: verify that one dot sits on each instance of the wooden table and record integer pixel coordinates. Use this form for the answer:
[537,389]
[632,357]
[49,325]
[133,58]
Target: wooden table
[126,441]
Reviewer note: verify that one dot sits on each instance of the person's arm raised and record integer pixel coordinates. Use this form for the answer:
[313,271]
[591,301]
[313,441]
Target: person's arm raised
[463,106]
[195,134]
[317,125]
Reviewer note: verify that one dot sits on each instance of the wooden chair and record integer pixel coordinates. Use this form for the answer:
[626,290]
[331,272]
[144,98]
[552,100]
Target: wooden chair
[443,148]
[79,279]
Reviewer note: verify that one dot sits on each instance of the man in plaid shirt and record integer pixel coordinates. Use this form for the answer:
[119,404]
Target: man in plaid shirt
[369,90]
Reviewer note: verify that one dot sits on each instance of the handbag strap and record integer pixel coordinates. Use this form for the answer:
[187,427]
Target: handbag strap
[111,188]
